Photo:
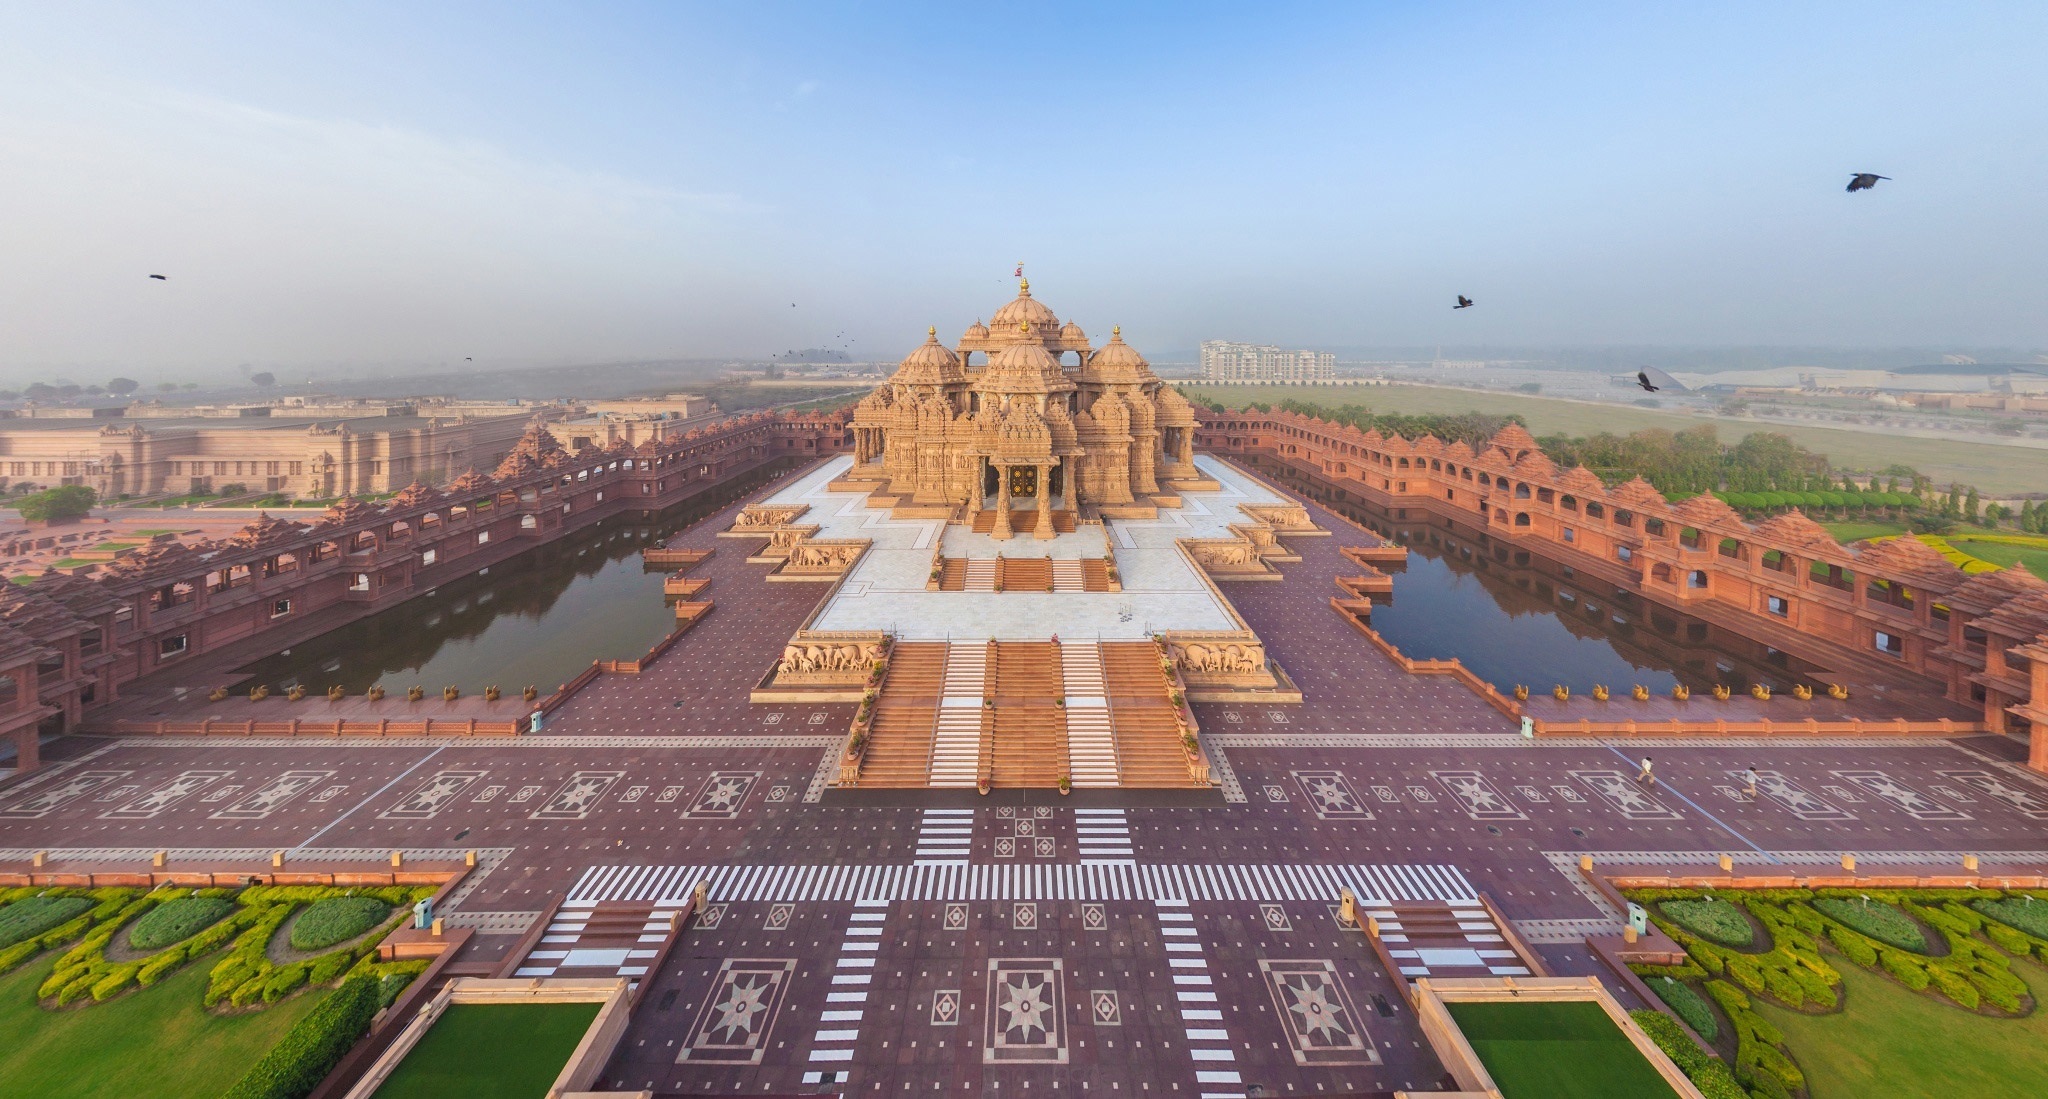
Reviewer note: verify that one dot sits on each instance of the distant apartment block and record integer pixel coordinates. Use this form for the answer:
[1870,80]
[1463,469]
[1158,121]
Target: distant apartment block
[1225,361]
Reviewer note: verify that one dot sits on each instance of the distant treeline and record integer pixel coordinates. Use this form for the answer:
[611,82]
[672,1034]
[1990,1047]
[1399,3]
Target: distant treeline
[1765,470]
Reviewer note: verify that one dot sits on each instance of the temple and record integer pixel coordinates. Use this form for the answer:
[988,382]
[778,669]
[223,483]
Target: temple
[1024,431]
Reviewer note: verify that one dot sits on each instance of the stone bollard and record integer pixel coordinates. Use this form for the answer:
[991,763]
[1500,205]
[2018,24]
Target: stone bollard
[437,928]
[1970,863]
[1727,864]
[1849,863]
[1628,933]
[397,859]
[1347,908]
[1586,863]
[469,858]
[701,895]
[157,860]
[38,859]
[277,860]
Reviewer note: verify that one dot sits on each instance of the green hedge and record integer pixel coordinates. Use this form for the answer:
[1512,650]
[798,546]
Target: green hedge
[31,917]
[1760,1060]
[337,920]
[2031,918]
[1712,918]
[310,1050]
[177,920]
[1688,1005]
[1876,919]
[1707,1073]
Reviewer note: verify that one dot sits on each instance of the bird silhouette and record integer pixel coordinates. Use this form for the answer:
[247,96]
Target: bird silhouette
[161,278]
[1864,181]
[1463,302]
[468,359]
[1643,379]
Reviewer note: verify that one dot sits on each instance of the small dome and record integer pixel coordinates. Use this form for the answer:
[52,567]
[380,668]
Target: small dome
[975,331]
[1072,331]
[1022,368]
[931,363]
[1024,309]
[1119,361]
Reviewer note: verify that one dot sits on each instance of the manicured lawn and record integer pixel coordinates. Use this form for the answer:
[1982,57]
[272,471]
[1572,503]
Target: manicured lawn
[509,1051]
[1999,553]
[1888,1041]
[1568,1050]
[155,1044]
[1992,467]
[1855,530]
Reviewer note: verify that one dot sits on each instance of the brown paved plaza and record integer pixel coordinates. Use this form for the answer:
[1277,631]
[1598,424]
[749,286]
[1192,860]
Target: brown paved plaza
[1115,942]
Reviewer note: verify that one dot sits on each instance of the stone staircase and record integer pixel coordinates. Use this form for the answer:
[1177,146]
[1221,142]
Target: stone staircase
[1148,745]
[1022,521]
[980,575]
[900,740]
[952,574]
[956,740]
[1091,741]
[1029,741]
[1069,575]
[1026,574]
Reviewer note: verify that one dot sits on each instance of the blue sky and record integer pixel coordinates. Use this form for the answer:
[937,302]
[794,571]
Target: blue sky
[410,184]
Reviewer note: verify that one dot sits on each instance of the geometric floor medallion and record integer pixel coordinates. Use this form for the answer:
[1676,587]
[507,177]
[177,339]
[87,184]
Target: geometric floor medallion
[1027,1012]
[1322,1025]
[740,1012]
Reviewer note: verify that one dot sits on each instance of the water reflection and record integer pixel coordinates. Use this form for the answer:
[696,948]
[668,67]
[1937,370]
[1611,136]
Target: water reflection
[1515,617]
[538,618]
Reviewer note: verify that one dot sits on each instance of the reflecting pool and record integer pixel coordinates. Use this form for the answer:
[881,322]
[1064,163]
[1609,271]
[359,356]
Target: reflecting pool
[538,618]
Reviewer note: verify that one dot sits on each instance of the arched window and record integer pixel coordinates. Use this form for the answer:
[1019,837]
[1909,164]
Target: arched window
[1521,518]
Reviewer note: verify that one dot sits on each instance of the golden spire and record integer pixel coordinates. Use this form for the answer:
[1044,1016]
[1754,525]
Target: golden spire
[1024,288]
[932,331]
[1023,326]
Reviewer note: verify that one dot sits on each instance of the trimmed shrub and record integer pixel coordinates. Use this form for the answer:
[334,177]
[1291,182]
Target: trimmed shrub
[1954,986]
[310,1050]
[177,920]
[1688,1005]
[1909,971]
[2016,912]
[1856,947]
[1881,921]
[1712,918]
[30,918]
[337,920]
[1707,1073]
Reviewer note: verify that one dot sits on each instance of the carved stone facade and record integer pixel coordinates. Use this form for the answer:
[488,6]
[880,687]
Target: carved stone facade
[1235,659]
[1024,423]
[818,658]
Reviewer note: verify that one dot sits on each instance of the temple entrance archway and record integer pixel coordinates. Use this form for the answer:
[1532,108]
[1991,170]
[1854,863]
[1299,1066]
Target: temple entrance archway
[991,478]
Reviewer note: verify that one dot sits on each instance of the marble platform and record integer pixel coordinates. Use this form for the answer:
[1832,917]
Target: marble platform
[1162,591]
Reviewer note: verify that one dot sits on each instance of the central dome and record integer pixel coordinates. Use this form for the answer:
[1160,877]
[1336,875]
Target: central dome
[1025,309]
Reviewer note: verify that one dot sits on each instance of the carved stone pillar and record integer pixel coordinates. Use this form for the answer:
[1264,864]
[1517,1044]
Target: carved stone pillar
[974,493]
[1187,446]
[1002,530]
[1067,475]
[1044,528]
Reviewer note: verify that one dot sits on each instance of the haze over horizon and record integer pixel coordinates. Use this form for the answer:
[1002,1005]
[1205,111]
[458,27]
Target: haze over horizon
[392,185]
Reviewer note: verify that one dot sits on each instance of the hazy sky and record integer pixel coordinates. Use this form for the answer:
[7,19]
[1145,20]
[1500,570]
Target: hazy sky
[415,183]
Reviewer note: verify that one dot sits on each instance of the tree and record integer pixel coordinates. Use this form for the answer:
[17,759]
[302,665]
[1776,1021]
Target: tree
[1970,505]
[58,504]
[122,386]
[40,391]
[263,380]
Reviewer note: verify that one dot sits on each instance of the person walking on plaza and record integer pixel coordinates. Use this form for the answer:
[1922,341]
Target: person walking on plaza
[1644,777]
[1749,783]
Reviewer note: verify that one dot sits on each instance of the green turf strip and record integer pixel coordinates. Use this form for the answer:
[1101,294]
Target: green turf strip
[158,1043]
[1557,1050]
[507,1051]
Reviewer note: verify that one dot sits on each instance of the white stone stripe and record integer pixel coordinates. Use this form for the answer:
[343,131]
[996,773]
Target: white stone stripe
[1376,885]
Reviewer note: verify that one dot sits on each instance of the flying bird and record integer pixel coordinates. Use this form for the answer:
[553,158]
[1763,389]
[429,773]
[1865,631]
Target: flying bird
[1643,379]
[1864,181]
[468,359]
[1463,302]
[161,278]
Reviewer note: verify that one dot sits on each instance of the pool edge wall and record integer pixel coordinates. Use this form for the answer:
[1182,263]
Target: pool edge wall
[1463,1063]
[583,1067]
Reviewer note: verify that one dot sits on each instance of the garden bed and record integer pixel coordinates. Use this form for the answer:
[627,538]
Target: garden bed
[491,1049]
[1558,1049]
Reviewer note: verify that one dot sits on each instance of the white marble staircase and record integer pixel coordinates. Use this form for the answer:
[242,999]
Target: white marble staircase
[1091,741]
[956,742]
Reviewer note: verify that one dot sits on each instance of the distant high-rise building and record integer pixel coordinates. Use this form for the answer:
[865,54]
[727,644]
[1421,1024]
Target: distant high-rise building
[1225,361]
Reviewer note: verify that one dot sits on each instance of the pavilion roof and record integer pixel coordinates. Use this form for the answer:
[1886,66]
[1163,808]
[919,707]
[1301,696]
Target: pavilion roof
[1793,528]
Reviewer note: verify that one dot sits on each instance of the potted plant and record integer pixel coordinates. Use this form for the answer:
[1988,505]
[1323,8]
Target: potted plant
[1066,785]
[981,785]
